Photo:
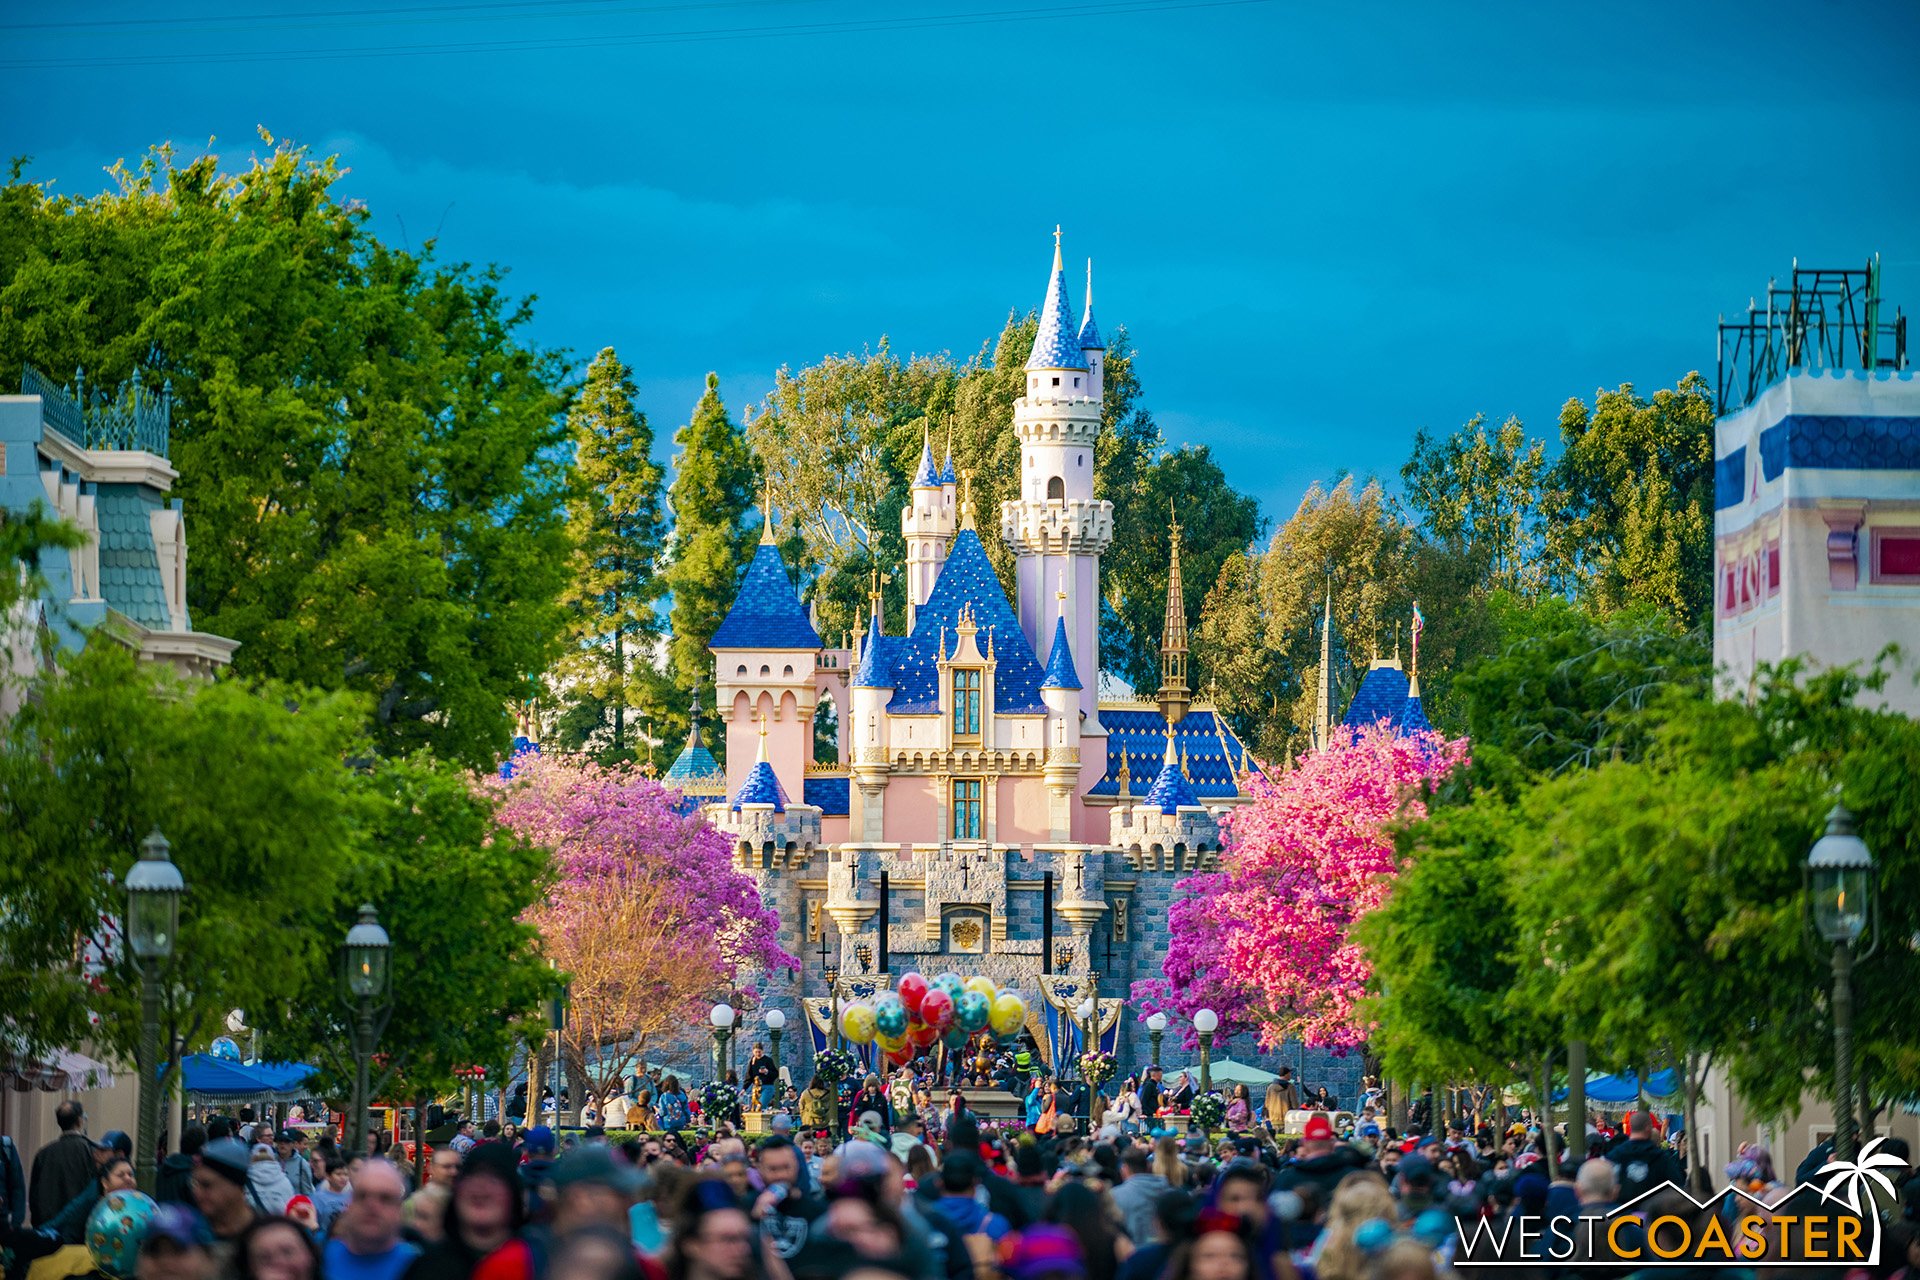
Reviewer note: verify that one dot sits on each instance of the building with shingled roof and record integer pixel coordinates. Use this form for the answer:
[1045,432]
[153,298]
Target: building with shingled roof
[99,461]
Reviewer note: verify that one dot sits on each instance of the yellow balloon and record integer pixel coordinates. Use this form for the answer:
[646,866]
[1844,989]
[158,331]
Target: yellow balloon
[1008,1014]
[984,985]
[856,1023]
[892,1044]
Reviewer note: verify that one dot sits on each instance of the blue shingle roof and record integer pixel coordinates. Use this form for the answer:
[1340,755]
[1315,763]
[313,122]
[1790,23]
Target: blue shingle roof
[1139,736]
[829,795]
[766,614]
[129,564]
[521,746]
[1382,696]
[927,474]
[967,578]
[1060,672]
[761,787]
[946,470]
[1056,345]
[876,668]
[1171,790]
[695,764]
[1090,339]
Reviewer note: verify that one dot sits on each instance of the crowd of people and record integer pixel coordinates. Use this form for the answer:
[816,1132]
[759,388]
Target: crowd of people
[890,1198]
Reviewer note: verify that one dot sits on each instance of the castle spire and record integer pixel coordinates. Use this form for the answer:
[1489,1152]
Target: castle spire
[966,499]
[1056,344]
[693,722]
[1090,339]
[1174,695]
[766,509]
[1323,694]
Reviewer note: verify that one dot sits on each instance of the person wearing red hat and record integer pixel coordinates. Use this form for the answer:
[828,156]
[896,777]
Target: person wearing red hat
[1321,1160]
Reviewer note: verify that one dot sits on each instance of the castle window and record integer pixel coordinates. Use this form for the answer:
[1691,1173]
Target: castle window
[789,670]
[966,808]
[966,702]
[743,669]
[1056,488]
[1896,555]
[766,670]
[1076,382]
[1056,382]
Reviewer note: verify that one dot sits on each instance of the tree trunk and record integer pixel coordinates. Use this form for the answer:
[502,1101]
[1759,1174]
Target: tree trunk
[419,1139]
[534,1076]
[1548,1145]
[1577,1100]
[620,689]
[1696,1175]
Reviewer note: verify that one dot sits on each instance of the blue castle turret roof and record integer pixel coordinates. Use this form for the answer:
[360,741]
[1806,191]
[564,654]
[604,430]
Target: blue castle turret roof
[767,613]
[1137,741]
[1057,344]
[1090,339]
[761,787]
[1060,672]
[1386,695]
[1171,790]
[947,475]
[927,474]
[876,668]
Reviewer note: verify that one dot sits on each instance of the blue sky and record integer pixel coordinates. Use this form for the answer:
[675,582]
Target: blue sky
[1325,225]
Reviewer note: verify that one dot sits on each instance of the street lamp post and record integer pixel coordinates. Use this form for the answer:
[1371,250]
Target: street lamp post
[1086,1012]
[154,887]
[776,1023]
[1206,1022]
[369,980]
[557,1023]
[1156,1027]
[1840,885]
[722,1019]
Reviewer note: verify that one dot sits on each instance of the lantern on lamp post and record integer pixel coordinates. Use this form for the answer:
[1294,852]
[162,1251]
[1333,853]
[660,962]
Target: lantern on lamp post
[1206,1022]
[1156,1027]
[367,985]
[776,1023]
[154,889]
[722,1020]
[1840,891]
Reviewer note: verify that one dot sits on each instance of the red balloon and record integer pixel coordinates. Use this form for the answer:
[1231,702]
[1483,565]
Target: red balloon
[900,1057]
[923,1035]
[912,989]
[937,1008]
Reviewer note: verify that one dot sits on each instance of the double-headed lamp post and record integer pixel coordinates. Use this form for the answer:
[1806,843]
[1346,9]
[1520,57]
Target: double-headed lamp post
[369,981]
[1156,1027]
[154,888]
[1206,1022]
[776,1023]
[1840,885]
[722,1019]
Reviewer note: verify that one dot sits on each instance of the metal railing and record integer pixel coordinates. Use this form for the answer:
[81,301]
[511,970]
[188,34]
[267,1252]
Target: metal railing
[131,417]
[1828,318]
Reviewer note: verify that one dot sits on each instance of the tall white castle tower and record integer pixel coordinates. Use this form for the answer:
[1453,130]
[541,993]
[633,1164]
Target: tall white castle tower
[928,523]
[1057,528]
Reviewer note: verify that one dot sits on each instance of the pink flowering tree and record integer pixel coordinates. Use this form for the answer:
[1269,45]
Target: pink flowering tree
[1265,941]
[648,917]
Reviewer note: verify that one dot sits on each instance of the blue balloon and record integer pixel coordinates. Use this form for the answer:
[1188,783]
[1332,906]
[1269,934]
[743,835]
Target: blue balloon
[890,1015]
[956,1038]
[115,1229]
[225,1049]
[951,983]
[970,1011]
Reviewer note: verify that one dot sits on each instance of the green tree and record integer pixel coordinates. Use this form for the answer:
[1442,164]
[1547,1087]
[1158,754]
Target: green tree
[618,530]
[712,494]
[1481,496]
[367,444]
[451,885]
[1637,476]
[1230,643]
[249,787]
[1216,523]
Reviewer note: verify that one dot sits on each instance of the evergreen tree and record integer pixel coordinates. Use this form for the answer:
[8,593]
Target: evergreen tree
[618,530]
[713,490]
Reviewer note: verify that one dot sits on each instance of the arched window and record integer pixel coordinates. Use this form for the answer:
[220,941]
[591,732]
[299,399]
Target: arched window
[1056,488]
[766,670]
[743,669]
[788,671]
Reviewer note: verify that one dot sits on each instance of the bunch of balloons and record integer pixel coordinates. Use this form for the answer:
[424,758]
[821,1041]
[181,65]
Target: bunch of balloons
[919,1013]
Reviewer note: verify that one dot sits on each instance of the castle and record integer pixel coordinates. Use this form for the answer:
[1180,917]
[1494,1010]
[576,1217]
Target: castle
[986,811]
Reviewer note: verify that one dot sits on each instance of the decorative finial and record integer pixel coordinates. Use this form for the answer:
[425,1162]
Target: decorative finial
[1057,264]
[763,738]
[1125,775]
[966,499]
[943,642]
[766,509]
[1060,583]
[1089,284]
[989,644]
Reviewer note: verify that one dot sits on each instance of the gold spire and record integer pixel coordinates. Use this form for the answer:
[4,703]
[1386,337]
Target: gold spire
[1174,695]
[1125,776]
[766,509]
[763,737]
[966,499]
[1323,695]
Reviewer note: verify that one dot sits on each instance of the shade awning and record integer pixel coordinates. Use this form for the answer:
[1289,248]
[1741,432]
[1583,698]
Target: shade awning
[1228,1071]
[205,1076]
[1625,1087]
[54,1073]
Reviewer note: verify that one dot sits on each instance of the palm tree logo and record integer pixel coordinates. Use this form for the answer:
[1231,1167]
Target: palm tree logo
[1851,1178]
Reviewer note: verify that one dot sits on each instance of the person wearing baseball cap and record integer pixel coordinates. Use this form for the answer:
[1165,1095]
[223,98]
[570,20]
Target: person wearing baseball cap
[220,1193]
[1321,1161]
